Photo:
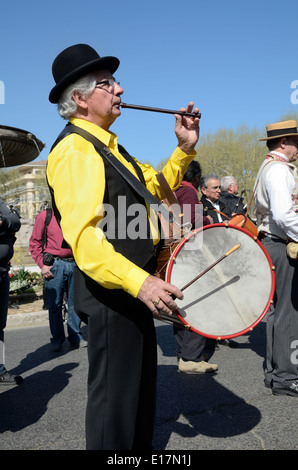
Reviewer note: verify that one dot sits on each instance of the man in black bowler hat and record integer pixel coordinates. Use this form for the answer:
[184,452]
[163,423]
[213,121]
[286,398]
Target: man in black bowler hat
[115,289]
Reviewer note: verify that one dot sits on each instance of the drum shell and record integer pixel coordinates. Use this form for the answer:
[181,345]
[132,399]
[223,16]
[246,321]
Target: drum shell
[233,297]
[243,221]
[163,256]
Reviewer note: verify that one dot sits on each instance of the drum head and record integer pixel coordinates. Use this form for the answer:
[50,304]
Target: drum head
[234,296]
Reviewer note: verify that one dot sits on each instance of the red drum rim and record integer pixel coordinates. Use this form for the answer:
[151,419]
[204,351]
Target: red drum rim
[234,227]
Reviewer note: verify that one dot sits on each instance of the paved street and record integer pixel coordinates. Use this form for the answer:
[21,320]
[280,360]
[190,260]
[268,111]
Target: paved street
[228,410]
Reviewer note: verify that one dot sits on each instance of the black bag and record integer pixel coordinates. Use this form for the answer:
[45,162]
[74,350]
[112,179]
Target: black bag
[48,259]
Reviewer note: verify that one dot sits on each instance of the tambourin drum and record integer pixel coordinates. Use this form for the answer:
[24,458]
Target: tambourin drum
[231,298]
[164,255]
[243,221]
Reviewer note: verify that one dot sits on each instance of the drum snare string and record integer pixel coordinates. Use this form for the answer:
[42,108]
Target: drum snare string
[172,318]
[232,250]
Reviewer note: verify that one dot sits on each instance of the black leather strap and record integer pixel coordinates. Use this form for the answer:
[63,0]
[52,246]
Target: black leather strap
[139,187]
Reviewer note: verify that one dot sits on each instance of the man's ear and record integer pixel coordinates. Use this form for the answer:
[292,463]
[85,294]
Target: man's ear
[283,143]
[80,99]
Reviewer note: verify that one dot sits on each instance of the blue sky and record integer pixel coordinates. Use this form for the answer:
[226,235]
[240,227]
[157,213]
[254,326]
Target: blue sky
[236,60]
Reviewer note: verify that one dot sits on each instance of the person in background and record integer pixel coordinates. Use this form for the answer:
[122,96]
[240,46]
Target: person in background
[9,224]
[211,191]
[57,267]
[276,199]
[191,346]
[187,194]
[233,204]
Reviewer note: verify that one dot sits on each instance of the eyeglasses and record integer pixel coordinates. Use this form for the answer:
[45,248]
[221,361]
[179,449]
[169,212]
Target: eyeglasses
[108,82]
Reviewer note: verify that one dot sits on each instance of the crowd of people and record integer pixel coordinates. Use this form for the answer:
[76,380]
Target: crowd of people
[110,280]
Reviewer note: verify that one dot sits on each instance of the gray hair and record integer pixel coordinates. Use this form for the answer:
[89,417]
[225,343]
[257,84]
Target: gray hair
[206,178]
[67,106]
[226,181]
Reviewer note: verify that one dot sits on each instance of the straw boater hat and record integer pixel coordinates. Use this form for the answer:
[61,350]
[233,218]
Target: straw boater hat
[281,129]
[75,62]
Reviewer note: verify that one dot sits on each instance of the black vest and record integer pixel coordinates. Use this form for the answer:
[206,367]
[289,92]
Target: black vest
[140,250]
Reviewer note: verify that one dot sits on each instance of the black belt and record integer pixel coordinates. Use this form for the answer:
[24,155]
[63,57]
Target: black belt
[63,259]
[272,236]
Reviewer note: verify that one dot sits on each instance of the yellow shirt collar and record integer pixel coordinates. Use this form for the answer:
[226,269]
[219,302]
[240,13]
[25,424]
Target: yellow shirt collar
[108,138]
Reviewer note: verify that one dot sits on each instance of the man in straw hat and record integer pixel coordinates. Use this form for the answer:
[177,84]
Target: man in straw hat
[275,197]
[114,286]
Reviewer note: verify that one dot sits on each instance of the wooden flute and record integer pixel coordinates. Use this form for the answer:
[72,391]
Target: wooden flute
[159,110]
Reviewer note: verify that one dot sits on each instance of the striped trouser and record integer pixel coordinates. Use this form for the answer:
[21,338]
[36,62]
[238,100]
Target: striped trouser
[281,364]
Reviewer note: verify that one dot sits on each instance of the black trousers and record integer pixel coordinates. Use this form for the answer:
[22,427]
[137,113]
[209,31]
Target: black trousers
[190,345]
[122,357]
[4,299]
[282,318]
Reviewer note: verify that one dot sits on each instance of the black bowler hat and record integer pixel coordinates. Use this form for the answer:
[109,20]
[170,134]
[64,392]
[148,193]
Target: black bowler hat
[75,62]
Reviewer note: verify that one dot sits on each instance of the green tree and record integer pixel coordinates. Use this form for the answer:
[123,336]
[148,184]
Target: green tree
[236,152]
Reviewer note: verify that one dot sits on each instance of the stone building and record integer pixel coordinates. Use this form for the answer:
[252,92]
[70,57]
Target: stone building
[25,188]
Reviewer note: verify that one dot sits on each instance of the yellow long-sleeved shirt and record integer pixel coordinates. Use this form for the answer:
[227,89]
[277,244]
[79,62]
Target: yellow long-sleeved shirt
[76,172]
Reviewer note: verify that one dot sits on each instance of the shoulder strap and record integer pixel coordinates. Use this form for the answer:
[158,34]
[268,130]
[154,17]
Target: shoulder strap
[137,185]
[47,221]
[215,210]
[256,185]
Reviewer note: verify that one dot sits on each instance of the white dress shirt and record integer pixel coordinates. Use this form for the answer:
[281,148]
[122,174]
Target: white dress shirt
[280,184]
